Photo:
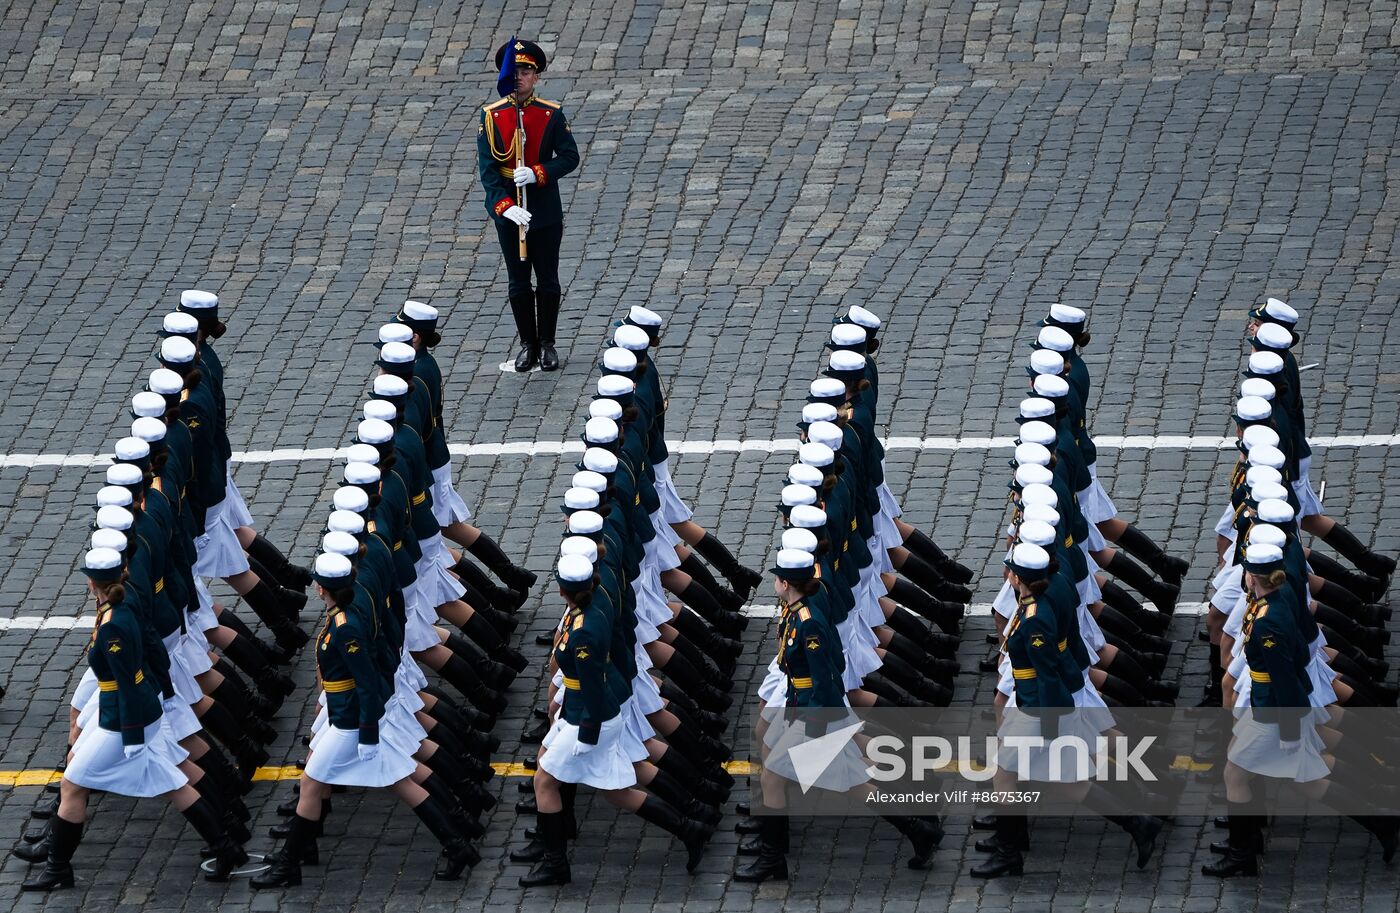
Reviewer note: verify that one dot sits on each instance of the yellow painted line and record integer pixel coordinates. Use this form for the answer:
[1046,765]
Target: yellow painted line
[43,777]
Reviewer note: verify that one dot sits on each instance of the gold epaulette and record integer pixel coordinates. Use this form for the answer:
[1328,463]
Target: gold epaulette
[548,104]
[338,618]
[804,613]
[496,104]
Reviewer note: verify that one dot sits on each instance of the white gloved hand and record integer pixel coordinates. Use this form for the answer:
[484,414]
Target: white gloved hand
[581,748]
[1289,747]
[517,215]
[133,751]
[368,752]
[524,176]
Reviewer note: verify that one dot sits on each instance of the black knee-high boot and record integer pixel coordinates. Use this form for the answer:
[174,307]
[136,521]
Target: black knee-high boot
[1120,599]
[771,849]
[275,655]
[1170,569]
[466,725]
[711,791]
[504,598]
[553,865]
[920,544]
[287,574]
[930,581]
[227,854]
[947,615]
[907,624]
[1245,844]
[1371,640]
[285,871]
[911,680]
[497,675]
[682,797]
[457,853]
[279,618]
[700,749]
[1351,548]
[741,578]
[1122,692]
[692,833]
[924,833]
[680,671]
[1012,833]
[721,649]
[1213,696]
[64,837]
[489,553]
[460,796]
[216,764]
[1368,588]
[1110,619]
[460,675]
[697,570]
[275,686]
[708,608]
[228,698]
[676,697]
[1338,597]
[697,658]
[1161,594]
[292,601]
[490,640]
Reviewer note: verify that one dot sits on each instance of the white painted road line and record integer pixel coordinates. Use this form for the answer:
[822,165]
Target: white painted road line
[780,445]
[83,622]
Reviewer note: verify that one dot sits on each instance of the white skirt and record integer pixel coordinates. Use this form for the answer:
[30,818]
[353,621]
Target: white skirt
[886,532]
[1089,587]
[448,506]
[409,674]
[204,617]
[888,504]
[99,763]
[1089,631]
[1084,725]
[220,555]
[1005,602]
[773,689]
[400,729]
[639,728]
[186,689]
[1225,526]
[178,719]
[335,759]
[87,687]
[435,585]
[858,644]
[233,506]
[419,618]
[1097,505]
[673,509]
[868,591]
[1227,596]
[646,694]
[652,608]
[845,772]
[1308,502]
[1095,541]
[608,765]
[1255,748]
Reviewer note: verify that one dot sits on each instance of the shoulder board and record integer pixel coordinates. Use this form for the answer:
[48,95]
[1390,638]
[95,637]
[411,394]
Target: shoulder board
[338,619]
[496,104]
[157,486]
[548,104]
[577,622]
[1030,608]
[804,613]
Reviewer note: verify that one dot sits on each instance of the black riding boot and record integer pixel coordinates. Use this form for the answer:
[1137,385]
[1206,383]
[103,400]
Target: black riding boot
[291,576]
[923,574]
[547,307]
[503,598]
[1170,569]
[727,598]
[1162,595]
[227,854]
[772,847]
[553,867]
[64,837]
[741,578]
[947,615]
[920,544]
[1351,548]
[523,308]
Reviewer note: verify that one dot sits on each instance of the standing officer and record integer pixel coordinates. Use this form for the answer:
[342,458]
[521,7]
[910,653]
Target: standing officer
[521,181]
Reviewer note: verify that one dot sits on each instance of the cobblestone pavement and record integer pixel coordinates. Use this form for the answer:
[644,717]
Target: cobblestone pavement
[747,169]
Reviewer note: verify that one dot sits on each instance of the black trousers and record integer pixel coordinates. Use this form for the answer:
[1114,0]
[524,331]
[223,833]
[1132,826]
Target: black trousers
[542,247]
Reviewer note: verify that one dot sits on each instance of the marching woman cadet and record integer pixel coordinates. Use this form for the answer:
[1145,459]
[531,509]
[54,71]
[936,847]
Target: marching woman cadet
[347,752]
[451,511]
[220,554]
[128,751]
[197,319]
[810,659]
[1046,677]
[1277,738]
[589,741]
[639,332]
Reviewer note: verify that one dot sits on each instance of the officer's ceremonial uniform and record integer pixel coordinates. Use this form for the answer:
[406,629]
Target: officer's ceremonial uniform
[549,154]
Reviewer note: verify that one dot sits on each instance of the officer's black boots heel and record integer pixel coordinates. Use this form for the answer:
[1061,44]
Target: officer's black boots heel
[547,306]
[1011,835]
[64,837]
[523,308]
[553,867]
[770,847]
[457,853]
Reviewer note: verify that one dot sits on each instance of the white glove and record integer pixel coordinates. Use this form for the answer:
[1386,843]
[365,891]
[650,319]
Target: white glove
[368,752]
[518,216]
[582,748]
[1289,747]
[133,751]
[524,176]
